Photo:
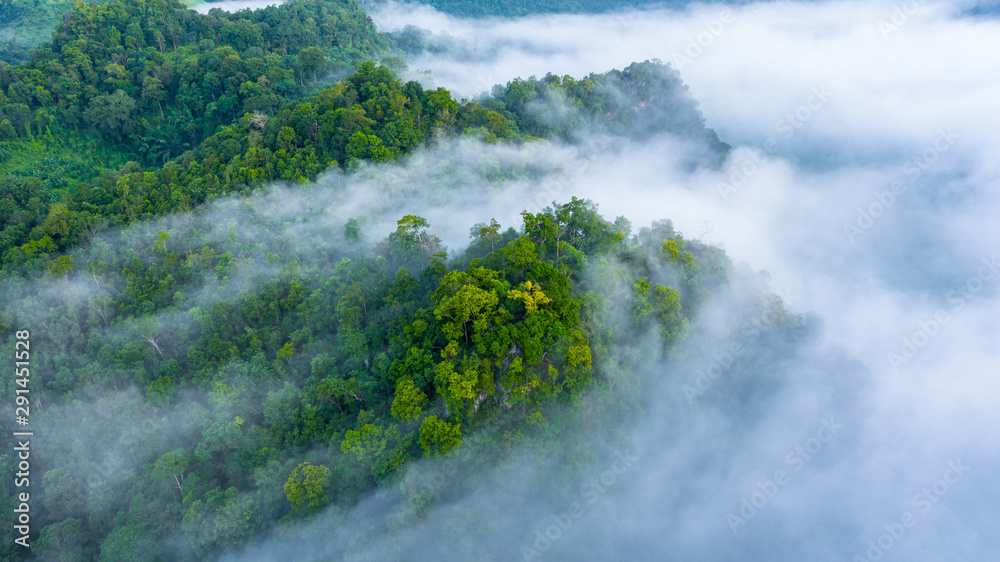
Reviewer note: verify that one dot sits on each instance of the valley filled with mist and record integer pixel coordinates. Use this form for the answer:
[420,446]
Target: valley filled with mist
[469,280]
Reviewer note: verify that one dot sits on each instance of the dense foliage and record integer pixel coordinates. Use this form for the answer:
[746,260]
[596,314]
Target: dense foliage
[156,77]
[94,99]
[221,358]
[370,115]
[643,100]
[277,377]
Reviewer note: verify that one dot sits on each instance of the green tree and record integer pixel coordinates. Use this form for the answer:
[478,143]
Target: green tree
[409,400]
[112,114]
[173,464]
[308,487]
[161,390]
[61,266]
[152,89]
[468,312]
[7,131]
[312,60]
[490,233]
[65,541]
[368,147]
[130,542]
[438,437]
[366,444]
[286,352]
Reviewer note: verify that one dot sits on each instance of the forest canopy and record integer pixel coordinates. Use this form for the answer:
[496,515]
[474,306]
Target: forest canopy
[309,378]
[369,116]
[224,368]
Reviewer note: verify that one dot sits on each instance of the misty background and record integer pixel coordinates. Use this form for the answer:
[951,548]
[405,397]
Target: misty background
[892,83]
[828,106]
[908,100]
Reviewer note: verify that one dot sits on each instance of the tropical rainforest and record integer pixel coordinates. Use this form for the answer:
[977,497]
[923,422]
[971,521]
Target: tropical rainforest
[26,24]
[216,358]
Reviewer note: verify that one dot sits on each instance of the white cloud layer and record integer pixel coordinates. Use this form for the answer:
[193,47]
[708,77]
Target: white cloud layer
[906,103]
[864,179]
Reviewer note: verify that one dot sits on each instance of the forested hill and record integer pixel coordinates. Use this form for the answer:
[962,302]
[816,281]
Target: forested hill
[370,115]
[216,357]
[154,77]
[212,376]
[640,101]
[127,86]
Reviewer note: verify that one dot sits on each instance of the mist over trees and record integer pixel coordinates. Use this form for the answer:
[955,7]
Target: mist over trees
[260,379]
[369,116]
[234,344]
